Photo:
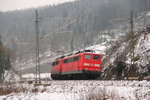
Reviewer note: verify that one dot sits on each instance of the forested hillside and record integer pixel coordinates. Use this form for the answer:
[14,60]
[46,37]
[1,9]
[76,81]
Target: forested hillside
[92,18]
[77,50]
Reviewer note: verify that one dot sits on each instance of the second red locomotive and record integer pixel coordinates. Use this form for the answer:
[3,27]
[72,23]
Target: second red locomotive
[81,65]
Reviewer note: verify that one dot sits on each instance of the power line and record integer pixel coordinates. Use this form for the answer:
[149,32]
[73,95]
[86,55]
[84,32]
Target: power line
[58,18]
[62,27]
[56,31]
[44,36]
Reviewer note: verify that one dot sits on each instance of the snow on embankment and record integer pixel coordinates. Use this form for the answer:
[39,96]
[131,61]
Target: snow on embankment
[99,48]
[142,51]
[80,90]
[118,59]
[11,76]
[33,76]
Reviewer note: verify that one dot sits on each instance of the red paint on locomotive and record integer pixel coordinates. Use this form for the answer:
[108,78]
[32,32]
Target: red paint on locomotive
[87,64]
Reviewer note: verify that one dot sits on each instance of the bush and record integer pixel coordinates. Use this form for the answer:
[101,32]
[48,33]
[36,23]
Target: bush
[8,88]
[100,95]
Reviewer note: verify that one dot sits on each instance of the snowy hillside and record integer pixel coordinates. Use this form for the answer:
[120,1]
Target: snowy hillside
[118,59]
[102,43]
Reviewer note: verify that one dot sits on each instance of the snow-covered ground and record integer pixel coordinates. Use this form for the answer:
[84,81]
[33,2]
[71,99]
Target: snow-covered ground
[10,76]
[33,76]
[80,90]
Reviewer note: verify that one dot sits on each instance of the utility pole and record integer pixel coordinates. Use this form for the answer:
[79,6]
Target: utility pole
[38,79]
[132,38]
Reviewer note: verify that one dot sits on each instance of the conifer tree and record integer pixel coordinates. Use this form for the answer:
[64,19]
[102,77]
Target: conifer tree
[4,60]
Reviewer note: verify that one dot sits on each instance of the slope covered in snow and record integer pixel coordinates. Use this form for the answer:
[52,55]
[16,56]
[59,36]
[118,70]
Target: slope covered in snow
[120,62]
[11,76]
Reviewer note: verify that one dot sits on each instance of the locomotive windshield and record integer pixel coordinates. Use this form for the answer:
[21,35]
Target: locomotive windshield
[87,56]
[96,57]
[55,63]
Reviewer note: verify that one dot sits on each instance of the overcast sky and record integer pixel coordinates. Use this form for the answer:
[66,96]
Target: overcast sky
[9,5]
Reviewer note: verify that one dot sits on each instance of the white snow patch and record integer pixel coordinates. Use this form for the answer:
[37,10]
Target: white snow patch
[99,49]
[33,76]
[10,76]
[148,14]
[74,90]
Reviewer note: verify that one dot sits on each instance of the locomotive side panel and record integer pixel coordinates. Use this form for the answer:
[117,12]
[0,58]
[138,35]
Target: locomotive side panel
[70,65]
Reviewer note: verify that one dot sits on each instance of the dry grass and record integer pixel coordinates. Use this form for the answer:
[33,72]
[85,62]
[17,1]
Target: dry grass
[101,95]
[7,89]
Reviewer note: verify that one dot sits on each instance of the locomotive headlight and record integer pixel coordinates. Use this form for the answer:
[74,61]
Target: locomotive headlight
[86,64]
[86,68]
[97,65]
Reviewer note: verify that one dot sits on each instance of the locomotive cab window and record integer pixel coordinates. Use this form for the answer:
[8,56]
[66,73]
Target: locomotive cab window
[96,57]
[87,56]
[55,63]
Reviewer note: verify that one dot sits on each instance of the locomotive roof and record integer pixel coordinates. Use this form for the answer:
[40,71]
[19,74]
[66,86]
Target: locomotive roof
[70,54]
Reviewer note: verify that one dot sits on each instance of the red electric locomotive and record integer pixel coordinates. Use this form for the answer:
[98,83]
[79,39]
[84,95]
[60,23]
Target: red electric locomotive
[81,65]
